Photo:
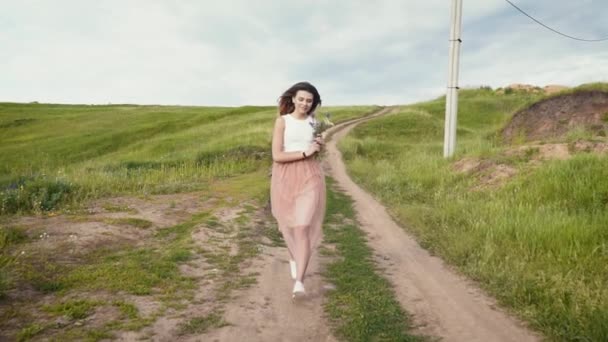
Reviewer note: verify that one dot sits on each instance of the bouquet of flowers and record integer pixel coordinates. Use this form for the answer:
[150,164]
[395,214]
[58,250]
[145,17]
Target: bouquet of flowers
[321,125]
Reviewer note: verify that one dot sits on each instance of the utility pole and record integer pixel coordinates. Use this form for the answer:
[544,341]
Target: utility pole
[451,99]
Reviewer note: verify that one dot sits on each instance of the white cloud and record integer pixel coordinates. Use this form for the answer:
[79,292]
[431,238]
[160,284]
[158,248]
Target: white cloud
[237,52]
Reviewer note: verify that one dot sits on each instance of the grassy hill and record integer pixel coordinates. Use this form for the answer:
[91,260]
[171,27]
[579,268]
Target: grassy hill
[532,229]
[52,155]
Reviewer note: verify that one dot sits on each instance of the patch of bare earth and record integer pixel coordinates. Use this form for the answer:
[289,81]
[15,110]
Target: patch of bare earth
[66,240]
[261,311]
[210,297]
[487,172]
[490,173]
[591,146]
[101,224]
[554,117]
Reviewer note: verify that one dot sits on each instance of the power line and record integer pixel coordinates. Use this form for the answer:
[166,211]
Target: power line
[563,34]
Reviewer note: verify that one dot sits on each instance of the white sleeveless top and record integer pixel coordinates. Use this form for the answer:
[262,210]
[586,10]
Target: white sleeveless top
[298,134]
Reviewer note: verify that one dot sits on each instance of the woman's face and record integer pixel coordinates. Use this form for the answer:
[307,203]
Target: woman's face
[303,101]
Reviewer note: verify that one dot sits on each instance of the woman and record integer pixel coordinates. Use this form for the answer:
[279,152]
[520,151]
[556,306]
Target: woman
[297,188]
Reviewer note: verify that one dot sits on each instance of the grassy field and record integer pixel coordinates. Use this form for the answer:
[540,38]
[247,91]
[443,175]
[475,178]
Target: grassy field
[53,155]
[538,242]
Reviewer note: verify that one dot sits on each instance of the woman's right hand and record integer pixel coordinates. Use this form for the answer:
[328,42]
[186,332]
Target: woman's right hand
[314,148]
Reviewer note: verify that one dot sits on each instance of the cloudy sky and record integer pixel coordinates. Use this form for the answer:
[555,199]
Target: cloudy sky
[244,52]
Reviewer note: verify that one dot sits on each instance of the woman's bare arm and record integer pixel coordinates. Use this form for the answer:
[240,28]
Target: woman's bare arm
[278,155]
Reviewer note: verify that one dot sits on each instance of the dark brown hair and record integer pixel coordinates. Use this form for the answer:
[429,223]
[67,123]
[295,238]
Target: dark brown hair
[286,105]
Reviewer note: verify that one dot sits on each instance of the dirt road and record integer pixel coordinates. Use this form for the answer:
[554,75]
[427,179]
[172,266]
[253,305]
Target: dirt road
[443,304]
[266,312]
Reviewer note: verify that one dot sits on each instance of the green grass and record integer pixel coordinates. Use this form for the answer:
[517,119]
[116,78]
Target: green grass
[9,236]
[57,155]
[131,221]
[73,309]
[199,325]
[139,271]
[79,309]
[128,310]
[118,208]
[538,243]
[30,331]
[153,150]
[363,305]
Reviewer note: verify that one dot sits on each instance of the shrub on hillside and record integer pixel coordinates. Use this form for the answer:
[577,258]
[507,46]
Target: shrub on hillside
[34,194]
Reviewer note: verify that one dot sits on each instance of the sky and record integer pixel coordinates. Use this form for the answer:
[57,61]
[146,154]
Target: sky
[243,52]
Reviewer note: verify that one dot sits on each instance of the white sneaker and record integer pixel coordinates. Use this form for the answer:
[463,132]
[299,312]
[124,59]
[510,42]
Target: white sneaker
[292,267]
[298,290]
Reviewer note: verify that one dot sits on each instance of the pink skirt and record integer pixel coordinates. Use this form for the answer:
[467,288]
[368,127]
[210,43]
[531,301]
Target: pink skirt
[297,196]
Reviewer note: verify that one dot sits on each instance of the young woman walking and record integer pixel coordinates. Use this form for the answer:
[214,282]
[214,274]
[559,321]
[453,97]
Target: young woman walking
[297,188]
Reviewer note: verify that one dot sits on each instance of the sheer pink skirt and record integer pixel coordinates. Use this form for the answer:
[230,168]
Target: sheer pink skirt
[297,196]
